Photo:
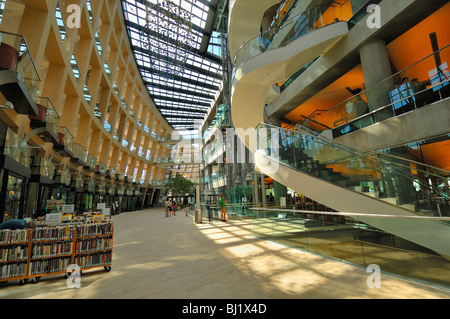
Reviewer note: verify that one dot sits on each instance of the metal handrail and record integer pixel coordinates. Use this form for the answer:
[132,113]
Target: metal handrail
[350,214]
[392,76]
[353,150]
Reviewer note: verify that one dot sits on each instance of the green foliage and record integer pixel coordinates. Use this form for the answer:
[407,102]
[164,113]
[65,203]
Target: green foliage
[178,185]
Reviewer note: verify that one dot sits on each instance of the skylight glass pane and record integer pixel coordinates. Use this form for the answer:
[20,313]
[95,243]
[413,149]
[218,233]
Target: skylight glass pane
[166,37]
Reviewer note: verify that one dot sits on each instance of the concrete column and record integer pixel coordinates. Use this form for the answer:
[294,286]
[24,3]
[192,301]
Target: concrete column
[376,67]
[255,188]
[279,189]
[397,183]
[198,210]
[263,190]
[209,170]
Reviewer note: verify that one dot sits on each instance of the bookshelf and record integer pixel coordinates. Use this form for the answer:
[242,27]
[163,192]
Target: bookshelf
[50,250]
[14,253]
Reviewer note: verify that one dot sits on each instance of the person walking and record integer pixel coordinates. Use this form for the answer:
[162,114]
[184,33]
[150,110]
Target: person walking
[167,206]
[174,207]
[223,212]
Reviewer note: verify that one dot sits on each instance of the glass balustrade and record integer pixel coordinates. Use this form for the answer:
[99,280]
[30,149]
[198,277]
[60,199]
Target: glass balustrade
[291,30]
[14,146]
[91,161]
[411,185]
[79,183]
[16,56]
[112,190]
[346,238]
[101,167]
[48,169]
[281,13]
[101,189]
[90,186]
[175,137]
[42,166]
[65,138]
[47,113]
[80,153]
[64,177]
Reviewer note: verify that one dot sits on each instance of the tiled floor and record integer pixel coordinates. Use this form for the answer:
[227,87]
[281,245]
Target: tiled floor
[173,258]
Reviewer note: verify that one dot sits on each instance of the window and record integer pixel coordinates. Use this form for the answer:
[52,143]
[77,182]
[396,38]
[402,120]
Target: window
[166,37]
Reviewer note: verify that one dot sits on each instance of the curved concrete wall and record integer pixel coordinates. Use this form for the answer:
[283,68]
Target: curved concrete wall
[252,80]
[244,21]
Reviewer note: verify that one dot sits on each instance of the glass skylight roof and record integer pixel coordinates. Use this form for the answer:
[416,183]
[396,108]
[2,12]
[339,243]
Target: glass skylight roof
[182,75]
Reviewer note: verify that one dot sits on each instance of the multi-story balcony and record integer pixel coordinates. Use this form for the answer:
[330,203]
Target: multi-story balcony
[175,138]
[100,189]
[112,190]
[100,168]
[80,155]
[401,93]
[43,170]
[215,154]
[65,142]
[19,79]
[177,160]
[79,184]
[47,120]
[89,187]
[16,153]
[91,163]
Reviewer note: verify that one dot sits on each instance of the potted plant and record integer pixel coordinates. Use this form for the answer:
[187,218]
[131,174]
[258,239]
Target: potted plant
[42,112]
[8,57]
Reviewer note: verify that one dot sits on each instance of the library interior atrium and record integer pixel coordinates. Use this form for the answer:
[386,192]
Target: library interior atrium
[320,128]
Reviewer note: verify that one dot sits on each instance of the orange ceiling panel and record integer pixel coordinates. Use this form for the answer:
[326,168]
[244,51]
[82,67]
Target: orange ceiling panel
[415,44]
[437,154]
[331,96]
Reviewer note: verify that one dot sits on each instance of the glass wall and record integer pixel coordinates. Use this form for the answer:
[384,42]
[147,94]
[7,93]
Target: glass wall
[234,194]
[14,197]
[347,238]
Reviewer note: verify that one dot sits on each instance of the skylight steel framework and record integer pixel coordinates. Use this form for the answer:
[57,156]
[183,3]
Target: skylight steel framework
[166,37]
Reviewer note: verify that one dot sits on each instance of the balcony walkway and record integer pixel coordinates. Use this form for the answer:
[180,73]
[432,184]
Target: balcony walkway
[173,258]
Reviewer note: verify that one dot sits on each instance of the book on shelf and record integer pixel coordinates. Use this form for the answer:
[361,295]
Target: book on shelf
[13,270]
[92,260]
[8,236]
[10,253]
[48,266]
[94,229]
[93,244]
[51,249]
[53,233]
